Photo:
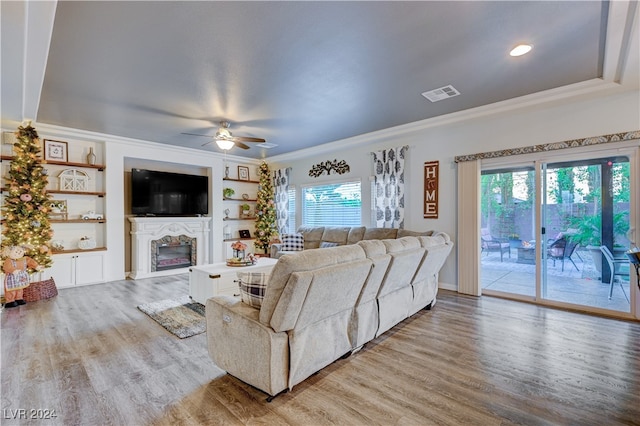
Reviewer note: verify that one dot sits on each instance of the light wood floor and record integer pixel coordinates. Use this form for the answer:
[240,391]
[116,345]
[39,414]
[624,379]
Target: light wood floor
[91,356]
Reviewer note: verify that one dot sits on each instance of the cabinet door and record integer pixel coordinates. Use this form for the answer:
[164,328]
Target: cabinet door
[89,268]
[62,271]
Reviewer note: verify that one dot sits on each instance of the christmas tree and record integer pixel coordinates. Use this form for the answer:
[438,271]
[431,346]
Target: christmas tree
[27,203]
[265,209]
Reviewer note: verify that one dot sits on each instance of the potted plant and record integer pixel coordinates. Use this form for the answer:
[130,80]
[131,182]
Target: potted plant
[515,241]
[228,192]
[587,231]
[245,208]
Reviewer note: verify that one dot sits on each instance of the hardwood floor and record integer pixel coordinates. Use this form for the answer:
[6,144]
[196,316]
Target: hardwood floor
[93,358]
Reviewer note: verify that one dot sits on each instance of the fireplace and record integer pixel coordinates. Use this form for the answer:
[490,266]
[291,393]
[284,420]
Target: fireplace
[173,252]
[167,246]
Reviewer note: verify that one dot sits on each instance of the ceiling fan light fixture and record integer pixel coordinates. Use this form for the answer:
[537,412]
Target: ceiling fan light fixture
[224,144]
[521,49]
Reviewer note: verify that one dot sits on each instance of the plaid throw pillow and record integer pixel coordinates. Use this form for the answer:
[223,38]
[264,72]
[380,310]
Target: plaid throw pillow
[252,287]
[326,244]
[292,242]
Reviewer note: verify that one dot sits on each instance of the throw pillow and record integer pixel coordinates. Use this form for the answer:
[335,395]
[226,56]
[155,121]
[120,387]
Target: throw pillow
[292,242]
[326,244]
[253,285]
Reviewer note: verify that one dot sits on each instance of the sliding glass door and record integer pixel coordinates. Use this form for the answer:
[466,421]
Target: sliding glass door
[575,255]
[585,224]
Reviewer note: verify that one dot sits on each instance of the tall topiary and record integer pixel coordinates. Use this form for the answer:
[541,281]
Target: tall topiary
[265,209]
[27,203]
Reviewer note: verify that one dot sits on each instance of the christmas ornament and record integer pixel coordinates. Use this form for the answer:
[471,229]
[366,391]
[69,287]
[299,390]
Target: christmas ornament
[26,197]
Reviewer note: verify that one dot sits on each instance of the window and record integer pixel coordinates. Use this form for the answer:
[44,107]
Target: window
[338,204]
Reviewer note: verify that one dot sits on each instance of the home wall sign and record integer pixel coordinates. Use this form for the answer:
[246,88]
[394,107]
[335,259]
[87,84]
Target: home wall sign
[340,167]
[431,171]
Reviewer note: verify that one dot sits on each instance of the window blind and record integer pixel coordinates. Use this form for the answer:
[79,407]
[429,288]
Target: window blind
[338,204]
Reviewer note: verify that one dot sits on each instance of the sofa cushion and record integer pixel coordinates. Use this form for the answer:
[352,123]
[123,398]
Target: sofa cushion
[292,242]
[380,233]
[356,234]
[327,244]
[406,233]
[312,236]
[336,234]
[252,287]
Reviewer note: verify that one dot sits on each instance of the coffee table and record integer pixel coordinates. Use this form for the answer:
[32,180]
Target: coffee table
[218,279]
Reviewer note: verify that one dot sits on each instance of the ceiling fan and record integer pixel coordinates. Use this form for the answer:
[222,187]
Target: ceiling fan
[225,140]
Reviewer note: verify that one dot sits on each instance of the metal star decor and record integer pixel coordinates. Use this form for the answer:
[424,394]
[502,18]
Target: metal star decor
[340,167]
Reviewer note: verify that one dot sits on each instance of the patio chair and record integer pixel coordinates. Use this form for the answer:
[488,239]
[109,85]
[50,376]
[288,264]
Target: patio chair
[618,268]
[562,248]
[493,244]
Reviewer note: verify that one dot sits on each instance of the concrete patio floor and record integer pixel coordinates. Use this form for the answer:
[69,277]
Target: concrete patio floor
[580,287]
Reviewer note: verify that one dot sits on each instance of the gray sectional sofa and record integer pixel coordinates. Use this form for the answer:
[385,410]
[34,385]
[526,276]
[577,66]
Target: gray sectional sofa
[321,304]
[315,236]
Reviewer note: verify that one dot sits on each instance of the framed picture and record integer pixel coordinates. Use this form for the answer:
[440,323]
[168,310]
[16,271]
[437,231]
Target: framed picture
[244,233]
[243,173]
[55,150]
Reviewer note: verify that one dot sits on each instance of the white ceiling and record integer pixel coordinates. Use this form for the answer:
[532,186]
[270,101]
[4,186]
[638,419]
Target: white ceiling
[298,74]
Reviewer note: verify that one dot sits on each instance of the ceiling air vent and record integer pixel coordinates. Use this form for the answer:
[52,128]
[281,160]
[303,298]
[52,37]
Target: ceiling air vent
[441,93]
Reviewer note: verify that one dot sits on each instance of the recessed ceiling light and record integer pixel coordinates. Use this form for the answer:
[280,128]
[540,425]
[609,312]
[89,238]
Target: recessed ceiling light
[521,49]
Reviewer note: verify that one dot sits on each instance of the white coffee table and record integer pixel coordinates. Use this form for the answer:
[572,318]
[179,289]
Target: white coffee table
[218,279]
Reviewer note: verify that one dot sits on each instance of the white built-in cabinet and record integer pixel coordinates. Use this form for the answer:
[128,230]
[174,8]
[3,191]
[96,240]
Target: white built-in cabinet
[79,183]
[71,269]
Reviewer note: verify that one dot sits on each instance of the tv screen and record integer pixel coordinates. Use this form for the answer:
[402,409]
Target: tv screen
[155,193]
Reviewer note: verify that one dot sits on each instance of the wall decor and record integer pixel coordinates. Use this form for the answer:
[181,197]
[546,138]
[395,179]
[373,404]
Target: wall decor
[55,150]
[243,173]
[431,171]
[73,180]
[58,209]
[340,167]
[244,233]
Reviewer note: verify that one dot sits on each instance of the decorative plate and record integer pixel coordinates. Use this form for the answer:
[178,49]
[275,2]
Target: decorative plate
[239,263]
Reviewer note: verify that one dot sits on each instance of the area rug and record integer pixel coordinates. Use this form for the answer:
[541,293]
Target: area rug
[182,317]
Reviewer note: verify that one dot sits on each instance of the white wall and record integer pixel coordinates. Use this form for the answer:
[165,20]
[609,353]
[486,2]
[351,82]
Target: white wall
[437,139]
[516,128]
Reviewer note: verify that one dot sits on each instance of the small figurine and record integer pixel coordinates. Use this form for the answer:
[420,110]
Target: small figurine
[16,276]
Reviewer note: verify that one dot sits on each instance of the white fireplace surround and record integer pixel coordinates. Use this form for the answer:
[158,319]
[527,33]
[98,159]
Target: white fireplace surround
[146,229]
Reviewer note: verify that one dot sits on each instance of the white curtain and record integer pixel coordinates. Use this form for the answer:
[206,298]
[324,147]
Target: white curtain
[388,196]
[281,187]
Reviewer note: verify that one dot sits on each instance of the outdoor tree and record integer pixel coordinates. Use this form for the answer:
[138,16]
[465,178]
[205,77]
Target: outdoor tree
[265,209]
[26,205]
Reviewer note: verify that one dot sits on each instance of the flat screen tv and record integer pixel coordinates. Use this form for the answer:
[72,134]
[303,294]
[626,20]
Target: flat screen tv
[155,193]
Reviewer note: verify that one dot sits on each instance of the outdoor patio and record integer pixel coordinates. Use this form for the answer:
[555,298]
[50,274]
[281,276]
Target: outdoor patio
[581,287]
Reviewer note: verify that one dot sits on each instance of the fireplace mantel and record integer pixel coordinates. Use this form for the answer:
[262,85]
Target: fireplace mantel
[146,229]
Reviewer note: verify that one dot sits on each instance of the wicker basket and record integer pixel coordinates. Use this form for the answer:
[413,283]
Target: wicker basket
[39,290]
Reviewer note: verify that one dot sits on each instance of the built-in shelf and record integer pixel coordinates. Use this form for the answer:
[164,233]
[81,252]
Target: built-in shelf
[99,167]
[77,220]
[251,200]
[70,251]
[97,194]
[238,239]
[240,180]
[240,218]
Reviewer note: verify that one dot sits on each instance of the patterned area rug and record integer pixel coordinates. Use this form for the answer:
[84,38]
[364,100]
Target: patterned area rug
[182,317]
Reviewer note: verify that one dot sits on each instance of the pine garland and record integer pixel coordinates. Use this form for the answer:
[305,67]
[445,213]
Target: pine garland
[26,206]
[265,210]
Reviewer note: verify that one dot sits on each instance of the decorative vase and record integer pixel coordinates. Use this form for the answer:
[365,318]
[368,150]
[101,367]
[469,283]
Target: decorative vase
[91,157]
[226,171]
[238,254]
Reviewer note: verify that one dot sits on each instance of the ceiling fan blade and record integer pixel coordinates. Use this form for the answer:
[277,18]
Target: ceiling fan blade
[195,134]
[207,143]
[241,145]
[246,139]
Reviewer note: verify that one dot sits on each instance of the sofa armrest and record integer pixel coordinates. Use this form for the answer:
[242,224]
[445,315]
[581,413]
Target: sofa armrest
[245,348]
